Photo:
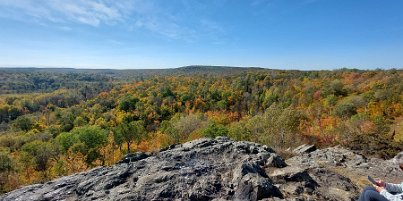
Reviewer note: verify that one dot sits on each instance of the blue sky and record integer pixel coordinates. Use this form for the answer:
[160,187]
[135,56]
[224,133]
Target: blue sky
[286,34]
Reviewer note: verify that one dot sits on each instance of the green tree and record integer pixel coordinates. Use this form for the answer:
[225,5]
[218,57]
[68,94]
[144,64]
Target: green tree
[213,130]
[239,131]
[92,139]
[6,166]
[40,153]
[14,112]
[288,125]
[336,88]
[5,162]
[222,104]
[66,140]
[24,123]
[118,138]
[131,132]
[345,110]
[331,100]
[86,140]
[181,126]
[128,103]
[80,121]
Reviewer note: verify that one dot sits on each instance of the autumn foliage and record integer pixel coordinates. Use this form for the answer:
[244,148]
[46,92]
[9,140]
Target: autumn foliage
[64,130]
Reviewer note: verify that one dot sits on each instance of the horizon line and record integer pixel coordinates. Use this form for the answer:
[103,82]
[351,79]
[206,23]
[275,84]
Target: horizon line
[197,65]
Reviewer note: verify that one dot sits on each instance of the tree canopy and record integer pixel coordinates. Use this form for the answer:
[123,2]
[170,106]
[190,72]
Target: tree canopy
[58,122]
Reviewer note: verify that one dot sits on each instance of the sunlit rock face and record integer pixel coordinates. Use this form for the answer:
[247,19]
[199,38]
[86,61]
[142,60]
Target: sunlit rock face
[207,169]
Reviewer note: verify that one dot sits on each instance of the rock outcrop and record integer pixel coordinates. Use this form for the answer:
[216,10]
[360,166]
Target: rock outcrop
[304,149]
[350,164]
[208,169]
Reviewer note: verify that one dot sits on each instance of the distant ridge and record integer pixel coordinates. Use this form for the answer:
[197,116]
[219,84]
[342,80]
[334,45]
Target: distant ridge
[28,78]
[126,73]
[189,67]
[217,67]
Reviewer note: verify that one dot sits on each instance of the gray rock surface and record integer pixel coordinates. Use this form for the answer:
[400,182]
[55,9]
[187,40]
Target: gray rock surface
[207,169]
[304,149]
[352,164]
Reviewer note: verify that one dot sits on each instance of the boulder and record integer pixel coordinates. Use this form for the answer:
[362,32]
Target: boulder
[304,149]
[203,169]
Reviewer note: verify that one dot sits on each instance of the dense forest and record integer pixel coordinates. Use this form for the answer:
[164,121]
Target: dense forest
[55,122]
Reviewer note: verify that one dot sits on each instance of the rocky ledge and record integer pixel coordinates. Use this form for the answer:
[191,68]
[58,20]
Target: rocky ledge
[213,169]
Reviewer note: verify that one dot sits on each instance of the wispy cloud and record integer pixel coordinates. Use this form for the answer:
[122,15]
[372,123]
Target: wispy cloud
[90,12]
[149,15]
[87,12]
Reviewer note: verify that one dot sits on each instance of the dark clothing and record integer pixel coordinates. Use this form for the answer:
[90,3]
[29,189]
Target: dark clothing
[370,194]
